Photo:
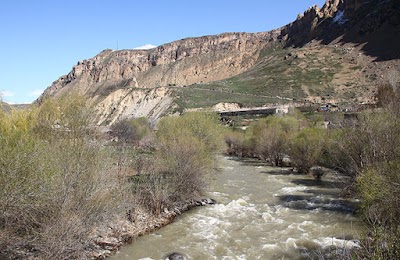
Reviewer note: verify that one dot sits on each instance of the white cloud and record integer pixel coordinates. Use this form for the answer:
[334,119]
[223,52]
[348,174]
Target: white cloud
[37,92]
[145,47]
[6,93]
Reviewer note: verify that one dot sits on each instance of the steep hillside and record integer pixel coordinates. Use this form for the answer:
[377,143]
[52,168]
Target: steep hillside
[116,81]
[339,53]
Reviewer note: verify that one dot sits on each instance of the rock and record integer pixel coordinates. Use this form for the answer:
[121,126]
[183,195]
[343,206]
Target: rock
[208,201]
[300,55]
[101,254]
[135,83]
[223,106]
[211,201]
[175,256]
[111,243]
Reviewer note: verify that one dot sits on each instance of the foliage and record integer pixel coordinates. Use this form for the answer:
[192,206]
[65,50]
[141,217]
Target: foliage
[131,131]
[54,181]
[379,190]
[69,115]
[372,138]
[368,150]
[239,143]
[202,125]
[178,171]
[271,135]
[306,148]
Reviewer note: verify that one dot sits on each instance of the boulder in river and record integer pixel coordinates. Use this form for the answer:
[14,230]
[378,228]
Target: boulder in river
[175,256]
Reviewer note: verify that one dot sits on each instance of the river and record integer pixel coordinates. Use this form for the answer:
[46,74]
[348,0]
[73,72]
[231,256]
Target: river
[262,213]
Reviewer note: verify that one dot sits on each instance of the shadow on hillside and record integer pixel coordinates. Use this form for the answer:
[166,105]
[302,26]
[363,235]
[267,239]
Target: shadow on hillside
[375,27]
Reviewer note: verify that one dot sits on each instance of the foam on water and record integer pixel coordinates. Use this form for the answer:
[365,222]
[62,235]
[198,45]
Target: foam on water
[340,243]
[270,246]
[271,219]
[290,190]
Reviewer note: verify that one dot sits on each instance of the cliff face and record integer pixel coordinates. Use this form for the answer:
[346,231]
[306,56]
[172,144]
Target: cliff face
[308,25]
[182,62]
[122,78]
[374,23]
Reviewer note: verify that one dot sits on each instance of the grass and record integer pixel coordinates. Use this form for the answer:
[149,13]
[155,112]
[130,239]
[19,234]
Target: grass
[205,97]
[280,75]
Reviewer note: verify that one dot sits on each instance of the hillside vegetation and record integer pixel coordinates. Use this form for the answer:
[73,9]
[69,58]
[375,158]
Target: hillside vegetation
[314,73]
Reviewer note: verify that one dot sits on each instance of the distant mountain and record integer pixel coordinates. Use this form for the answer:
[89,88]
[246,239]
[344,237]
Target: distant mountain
[337,53]
[4,106]
[7,107]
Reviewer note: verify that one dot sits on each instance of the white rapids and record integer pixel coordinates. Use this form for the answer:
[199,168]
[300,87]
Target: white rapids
[262,213]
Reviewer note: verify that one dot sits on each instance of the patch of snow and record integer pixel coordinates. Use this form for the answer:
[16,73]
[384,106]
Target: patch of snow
[339,18]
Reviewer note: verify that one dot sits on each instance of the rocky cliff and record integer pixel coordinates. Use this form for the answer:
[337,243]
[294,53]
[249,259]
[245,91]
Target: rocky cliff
[127,83]
[373,23]
[117,81]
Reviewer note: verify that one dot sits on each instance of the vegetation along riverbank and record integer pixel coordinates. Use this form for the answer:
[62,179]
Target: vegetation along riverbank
[68,191]
[363,146]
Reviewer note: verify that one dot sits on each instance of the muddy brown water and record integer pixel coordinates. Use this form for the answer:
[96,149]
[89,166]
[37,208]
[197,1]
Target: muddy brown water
[262,213]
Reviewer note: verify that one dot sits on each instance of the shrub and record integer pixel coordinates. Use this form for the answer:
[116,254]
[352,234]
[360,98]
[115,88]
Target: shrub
[131,131]
[379,190]
[271,135]
[54,181]
[238,144]
[186,149]
[306,148]
[374,138]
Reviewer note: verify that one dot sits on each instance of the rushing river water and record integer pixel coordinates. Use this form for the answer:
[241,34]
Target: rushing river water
[262,213]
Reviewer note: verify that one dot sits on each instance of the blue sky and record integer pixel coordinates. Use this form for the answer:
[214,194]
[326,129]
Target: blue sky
[42,39]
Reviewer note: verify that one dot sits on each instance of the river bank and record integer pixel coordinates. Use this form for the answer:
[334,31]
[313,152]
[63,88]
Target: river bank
[108,239]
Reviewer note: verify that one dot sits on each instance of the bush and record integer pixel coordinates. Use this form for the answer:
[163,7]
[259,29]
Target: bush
[239,144]
[379,190]
[131,131]
[306,148]
[54,179]
[186,149]
[271,136]
[374,138]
